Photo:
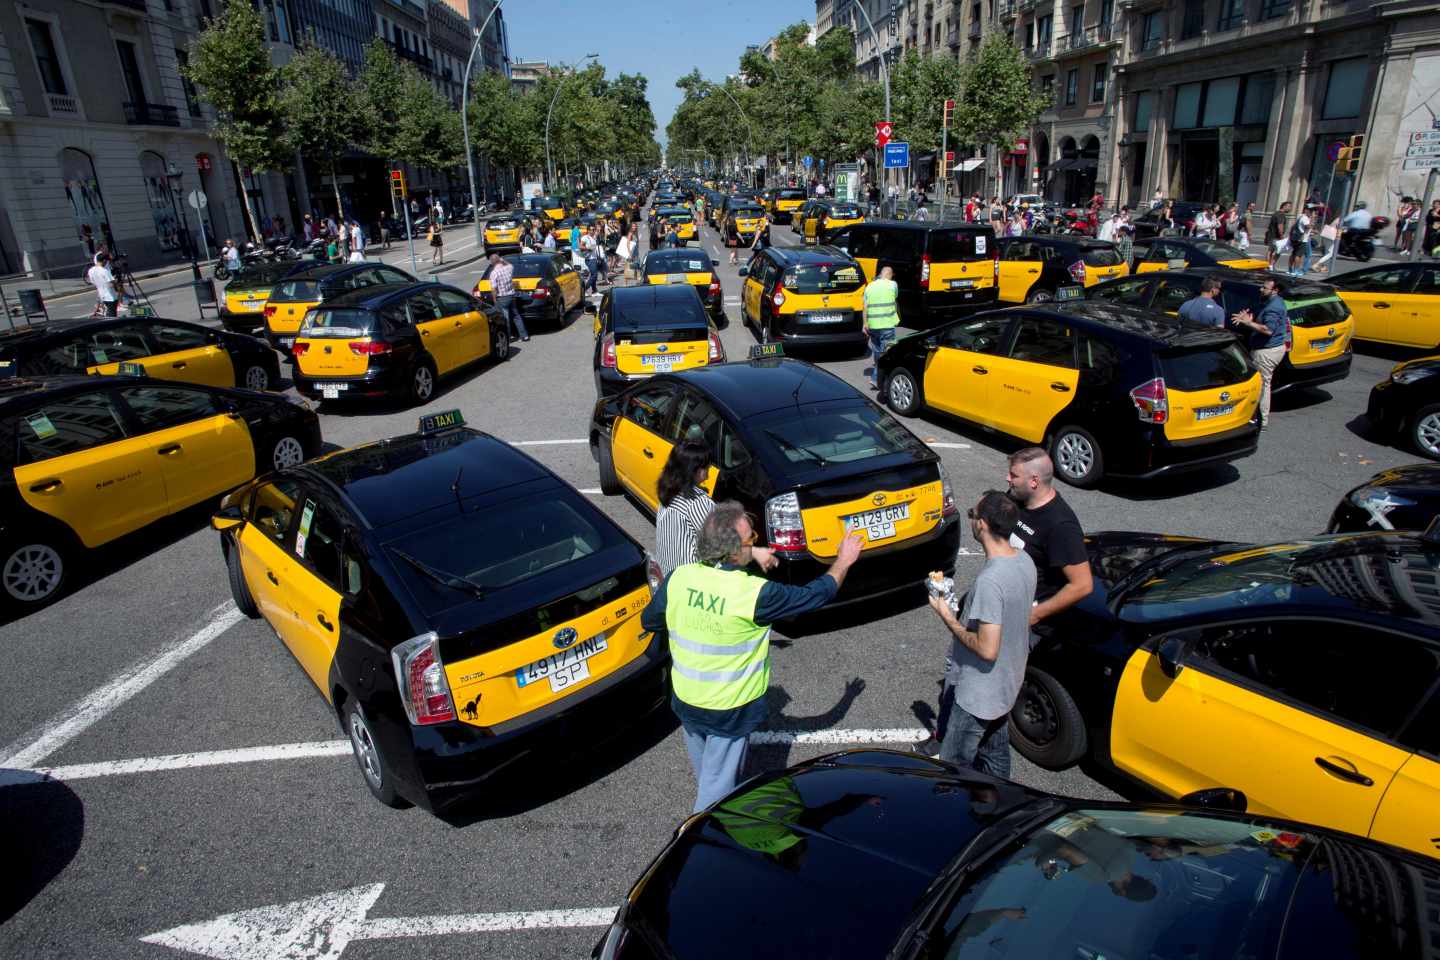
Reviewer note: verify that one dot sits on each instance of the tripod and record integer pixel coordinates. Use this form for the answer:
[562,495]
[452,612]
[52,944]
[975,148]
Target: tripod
[126,284]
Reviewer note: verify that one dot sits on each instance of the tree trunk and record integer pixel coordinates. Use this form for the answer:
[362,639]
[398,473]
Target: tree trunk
[245,197]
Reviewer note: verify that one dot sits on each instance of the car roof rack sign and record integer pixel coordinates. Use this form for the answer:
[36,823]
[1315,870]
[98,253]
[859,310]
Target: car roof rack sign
[444,420]
[762,350]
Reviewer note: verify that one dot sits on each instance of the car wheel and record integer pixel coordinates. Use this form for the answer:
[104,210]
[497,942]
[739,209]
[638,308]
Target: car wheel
[256,377]
[1045,724]
[902,392]
[422,383]
[609,482]
[239,589]
[286,452]
[368,755]
[1077,456]
[500,345]
[1424,432]
[1039,296]
[34,568]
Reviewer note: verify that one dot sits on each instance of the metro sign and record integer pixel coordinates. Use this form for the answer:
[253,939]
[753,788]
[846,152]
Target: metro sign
[883,131]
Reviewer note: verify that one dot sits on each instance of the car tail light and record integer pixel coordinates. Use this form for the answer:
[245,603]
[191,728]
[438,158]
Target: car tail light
[782,519]
[368,348]
[653,573]
[715,288]
[997,266]
[1152,401]
[1077,271]
[270,310]
[947,494]
[420,675]
[925,271]
[778,298]
[298,348]
[607,351]
[541,293]
[717,352]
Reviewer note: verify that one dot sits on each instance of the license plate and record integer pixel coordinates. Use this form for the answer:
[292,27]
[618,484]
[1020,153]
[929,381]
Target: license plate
[563,669]
[826,318]
[252,304]
[660,361]
[331,391]
[675,278]
[1209,413]
[878,524]
[961,284]
[1322,344]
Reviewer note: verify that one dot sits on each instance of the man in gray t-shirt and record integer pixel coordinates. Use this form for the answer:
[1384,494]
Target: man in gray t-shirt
[1203,309]
[991,642]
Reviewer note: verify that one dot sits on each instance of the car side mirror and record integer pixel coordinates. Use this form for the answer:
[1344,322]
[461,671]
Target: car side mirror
[1171,654]
[714,262]
[744,271]
[1216,798]
[227,518]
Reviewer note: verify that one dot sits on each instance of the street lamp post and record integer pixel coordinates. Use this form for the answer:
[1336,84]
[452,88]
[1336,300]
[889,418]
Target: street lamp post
[465,124]
[549,163]
[884,68]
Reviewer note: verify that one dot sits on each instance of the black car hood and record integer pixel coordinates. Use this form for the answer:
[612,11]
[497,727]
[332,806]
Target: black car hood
[1416,478]
[827,859]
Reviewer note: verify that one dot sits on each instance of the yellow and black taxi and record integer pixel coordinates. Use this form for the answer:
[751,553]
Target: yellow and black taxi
[1177,253]
[459,606]
[294,296]
[1108,389]
[1405,406]
[87,460]
[395,340]
[942,269]
[1008,871]
[248,290]
[164,349]
[678,217]
[1034,268]
[552,208]
[1395,303]
[502,234]
[803,297]
[784,203]
[739,223]
[613,208]
[719,211]
[1319,348]
[649,329]
[688,266]
[1301,673]
[547,286]
[818,219]
[811,458]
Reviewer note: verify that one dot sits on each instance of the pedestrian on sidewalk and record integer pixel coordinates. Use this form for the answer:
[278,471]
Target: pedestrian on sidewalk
[1402,214]
[622,254]
[990,642]
[1431,242]
[1300,242]
[1277,234]
[590,251]
[1242,227]
[502,286]
[437,243]
[357,240]
[881,315]
[634,264]
[107,299]
[717,615]
[1266,339]
[384,226]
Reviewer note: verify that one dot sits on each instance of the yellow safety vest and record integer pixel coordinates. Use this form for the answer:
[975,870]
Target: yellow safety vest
[881,310]
[761,819]
[720,657]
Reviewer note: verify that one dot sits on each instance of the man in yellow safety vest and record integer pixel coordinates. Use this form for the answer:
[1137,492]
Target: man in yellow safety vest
[718,616]
[882,316]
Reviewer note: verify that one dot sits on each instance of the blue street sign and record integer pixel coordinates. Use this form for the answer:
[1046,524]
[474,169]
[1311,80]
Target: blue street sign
[807,160]
[897,155]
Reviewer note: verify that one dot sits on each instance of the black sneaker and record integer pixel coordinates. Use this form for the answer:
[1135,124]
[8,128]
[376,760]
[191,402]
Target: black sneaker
[929,747]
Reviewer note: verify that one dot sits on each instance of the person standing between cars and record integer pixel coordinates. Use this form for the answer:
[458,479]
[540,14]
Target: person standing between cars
[1050,532]
[1242,227]
[622,254]
[881,317]
[634,264]
[1300,248]
[718,618]
[1276,233]
[990,644]
[1125,242]
[1267,337]
[502,285]
[1203,309]
[684,504]
[108,300]
[592,261]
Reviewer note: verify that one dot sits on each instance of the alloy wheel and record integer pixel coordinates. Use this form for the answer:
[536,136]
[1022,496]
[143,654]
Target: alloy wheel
[366,752]
[33,572]
[902,392]
[1076,457]
[1427,434]
[288,452]
[424,383]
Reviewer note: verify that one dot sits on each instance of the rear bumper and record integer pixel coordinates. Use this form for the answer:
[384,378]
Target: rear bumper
[277,341]
[375,382]
[1160,456]
[943,304]
[881,571]
[847,332]
[609,381]
[1289,375]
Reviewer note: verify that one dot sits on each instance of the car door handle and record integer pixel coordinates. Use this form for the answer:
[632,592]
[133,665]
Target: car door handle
[648,452]
[1382,306]
[457,323]
[46,485]
[1344,773]
[169,450]
[1059,387]
[978,370]
[424,333]
[178,365]
[325,623]
[270,575]
[1032,271]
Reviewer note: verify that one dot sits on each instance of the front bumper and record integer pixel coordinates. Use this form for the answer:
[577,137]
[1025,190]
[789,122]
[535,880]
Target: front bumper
[1288,375]
[249,323]
[883,570]
[944,304]
[1160,456]
[1390,405]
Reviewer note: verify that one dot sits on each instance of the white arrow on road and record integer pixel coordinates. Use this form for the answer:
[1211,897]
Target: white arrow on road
[320,928]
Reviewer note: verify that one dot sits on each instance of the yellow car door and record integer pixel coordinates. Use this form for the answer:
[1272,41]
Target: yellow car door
[1418,324]
[638,446]
[78,464]
[470,335]
[1036,381]
[1274,708]
[203,450]
[167,350]
[1410,811]
[438,333]
[753,288]
[1020,266]
[1156,256]
[317,573]
[1378,298]
[265,562]
[958,372]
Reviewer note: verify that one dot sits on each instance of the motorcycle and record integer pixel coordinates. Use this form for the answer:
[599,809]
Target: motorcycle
[1075,222]
[1360,244]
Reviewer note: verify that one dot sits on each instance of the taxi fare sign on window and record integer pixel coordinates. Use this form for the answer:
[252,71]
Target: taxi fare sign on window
[441,421]
[847,275]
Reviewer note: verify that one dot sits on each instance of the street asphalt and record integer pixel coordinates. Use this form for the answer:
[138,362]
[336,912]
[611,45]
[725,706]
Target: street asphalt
[101,858]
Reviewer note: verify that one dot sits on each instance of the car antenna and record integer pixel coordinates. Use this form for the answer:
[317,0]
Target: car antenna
[455,488]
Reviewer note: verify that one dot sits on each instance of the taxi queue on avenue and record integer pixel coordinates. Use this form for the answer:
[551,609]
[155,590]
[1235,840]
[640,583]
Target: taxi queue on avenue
[459,606]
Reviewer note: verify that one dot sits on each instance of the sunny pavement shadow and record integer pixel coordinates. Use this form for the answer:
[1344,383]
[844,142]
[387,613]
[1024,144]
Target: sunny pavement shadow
[763,757]
[44,825]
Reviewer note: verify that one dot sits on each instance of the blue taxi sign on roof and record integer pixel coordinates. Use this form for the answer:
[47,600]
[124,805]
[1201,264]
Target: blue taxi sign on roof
[761,350]
[444,420]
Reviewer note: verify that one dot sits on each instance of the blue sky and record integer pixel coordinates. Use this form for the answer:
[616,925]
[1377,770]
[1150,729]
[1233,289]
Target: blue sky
[662,39]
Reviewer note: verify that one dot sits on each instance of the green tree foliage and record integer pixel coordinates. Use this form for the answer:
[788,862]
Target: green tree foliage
[324,111]
[382,84]
[230,63]
[428,133]
[997,103]
[919,87]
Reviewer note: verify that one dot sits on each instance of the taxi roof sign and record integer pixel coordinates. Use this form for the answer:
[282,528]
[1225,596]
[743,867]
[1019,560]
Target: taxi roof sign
[444,420]
[761,350]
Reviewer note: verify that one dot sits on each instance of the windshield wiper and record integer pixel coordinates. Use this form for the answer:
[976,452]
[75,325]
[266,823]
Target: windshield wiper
[803,451]
[450,580]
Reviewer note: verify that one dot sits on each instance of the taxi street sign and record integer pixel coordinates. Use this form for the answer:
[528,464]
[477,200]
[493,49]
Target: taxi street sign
[897,155]
[430,423]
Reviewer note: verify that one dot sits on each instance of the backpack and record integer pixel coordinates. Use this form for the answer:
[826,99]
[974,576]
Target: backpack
[1297,236]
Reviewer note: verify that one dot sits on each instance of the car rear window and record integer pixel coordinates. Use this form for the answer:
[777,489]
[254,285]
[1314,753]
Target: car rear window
[1203,368]
[530,268]
[835,431]
[1220,251]
[676,217]
[952,246]
[844,211]
[502,225]
[792,195]
[1318,313]
[297,290]
[255,275]
[339,323]
[1101,256]
[676,318]
[824,278]
[658,266]
[746,211]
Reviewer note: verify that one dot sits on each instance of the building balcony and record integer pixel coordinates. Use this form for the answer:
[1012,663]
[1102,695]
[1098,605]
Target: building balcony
[1029,4]
[953,38]
[145,114]
[63,105]
[1091,36]
[132,4]
[1041,50]
[1007,9]
[414,56]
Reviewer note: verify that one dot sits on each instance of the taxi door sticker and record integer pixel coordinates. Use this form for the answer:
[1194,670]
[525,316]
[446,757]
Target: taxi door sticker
[979,243]
[100,356]
[303,533]
[42,426]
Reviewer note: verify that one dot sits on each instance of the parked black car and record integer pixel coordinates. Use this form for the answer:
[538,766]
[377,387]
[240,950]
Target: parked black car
[1406,405]
[1182,212]
[1401,498]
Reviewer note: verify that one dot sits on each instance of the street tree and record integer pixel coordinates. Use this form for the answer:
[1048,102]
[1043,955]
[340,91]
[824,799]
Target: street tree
[324,111]
[230,63]
[427,133]
[919,87]
[997,103]
[382,82]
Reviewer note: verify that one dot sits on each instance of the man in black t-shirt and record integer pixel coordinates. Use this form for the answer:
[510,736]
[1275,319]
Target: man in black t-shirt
[1049,531]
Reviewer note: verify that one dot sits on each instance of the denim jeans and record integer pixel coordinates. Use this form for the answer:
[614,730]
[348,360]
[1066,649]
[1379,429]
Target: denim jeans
[982,745]
[514,319]
[879,340]
[717,762]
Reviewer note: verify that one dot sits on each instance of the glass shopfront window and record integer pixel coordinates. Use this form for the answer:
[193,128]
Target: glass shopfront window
[162,202]
[87,206]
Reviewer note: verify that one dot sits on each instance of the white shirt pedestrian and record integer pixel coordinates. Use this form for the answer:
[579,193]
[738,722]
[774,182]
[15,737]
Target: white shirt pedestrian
[104,282]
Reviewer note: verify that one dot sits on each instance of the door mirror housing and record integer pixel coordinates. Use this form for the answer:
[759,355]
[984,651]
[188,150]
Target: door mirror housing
[1216,798]
[1171,654]
[227,518]
[744,271]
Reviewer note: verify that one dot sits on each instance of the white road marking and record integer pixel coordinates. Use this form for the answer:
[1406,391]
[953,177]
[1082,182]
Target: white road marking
[544,443]
[947,446]
[840,736]
[320,928]
[79,717]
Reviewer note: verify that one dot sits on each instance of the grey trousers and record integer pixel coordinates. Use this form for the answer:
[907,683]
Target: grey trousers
[717,762]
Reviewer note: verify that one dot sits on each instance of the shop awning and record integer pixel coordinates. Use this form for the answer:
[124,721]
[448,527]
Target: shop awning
[965,166]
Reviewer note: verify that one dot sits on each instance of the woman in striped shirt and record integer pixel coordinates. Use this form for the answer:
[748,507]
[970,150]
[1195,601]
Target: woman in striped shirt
[684,504]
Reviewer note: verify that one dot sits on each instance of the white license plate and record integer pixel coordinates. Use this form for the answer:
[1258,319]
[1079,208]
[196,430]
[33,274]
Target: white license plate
[1209,413]
[826,318]
[331,391]
[961,284]
[878,524]
[252,303]
[660,361]
[675,278]
[1322,344]
[563,669]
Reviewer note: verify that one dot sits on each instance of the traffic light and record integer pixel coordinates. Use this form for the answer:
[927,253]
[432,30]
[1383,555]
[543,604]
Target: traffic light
[949,112]
[1350,159]
[397,184]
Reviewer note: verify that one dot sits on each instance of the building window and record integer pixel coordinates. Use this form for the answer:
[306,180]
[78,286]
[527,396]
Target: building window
[1144,106]
[1270,9]
[1221,97]
[1077,19]
[1259,95]
[1107,12]
[47,58]
[1097,84]
[1232,15]
[162,200]
[1152,32]
[1193,23]
[130,70]
[1047,87]
[192,102]
[87,206]
[1043,30]
[1187,106]
[1072,87]
[1345,92]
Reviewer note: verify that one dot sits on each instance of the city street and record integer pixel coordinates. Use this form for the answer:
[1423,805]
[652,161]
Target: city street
[173,774]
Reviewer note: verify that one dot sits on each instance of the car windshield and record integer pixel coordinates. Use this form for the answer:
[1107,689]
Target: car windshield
[1135,884]
[835,431]
[823,278]
[339,323]
[844,211]
[671,264]
[1232,578]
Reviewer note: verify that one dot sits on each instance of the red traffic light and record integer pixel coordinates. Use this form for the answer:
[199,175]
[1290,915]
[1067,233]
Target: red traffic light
[396,176]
